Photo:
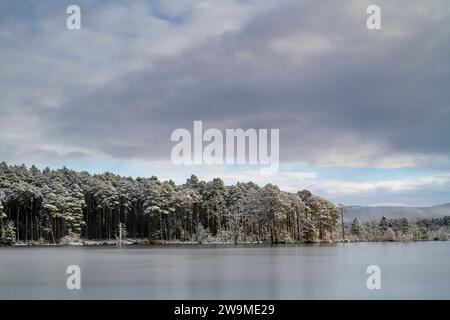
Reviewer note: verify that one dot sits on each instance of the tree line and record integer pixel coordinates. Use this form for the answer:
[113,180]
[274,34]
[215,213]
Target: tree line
[49,206]
[400,229]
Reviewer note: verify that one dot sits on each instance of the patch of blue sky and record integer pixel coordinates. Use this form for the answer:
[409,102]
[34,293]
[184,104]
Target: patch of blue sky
[173,13]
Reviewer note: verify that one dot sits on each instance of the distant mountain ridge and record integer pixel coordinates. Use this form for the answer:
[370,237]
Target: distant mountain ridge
[365,214]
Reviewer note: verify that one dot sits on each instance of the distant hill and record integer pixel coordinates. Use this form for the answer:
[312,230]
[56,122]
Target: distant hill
[365,214]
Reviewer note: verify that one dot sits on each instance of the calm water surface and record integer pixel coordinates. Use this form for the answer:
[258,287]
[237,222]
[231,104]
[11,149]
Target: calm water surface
[408,271]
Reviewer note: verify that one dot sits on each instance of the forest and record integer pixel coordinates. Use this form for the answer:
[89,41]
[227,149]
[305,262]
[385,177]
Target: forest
[56,206]
[65,206]
[402,229]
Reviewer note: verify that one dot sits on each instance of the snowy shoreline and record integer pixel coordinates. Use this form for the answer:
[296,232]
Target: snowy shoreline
[145,243]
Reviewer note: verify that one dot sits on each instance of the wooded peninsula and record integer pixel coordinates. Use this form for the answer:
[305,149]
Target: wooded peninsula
[68,207]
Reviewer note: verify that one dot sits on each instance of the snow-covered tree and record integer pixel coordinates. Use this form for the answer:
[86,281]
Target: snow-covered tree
[74,209]
[50,205]
[121,233]
[357,228]
[2,222]
[384,223]
[309,231]
[202,235]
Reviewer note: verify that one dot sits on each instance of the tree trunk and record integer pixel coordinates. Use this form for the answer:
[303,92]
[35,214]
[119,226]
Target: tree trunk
[342,223]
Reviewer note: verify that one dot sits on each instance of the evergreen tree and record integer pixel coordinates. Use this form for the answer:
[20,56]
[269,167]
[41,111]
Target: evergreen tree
[310,233]
[74,209]
[384,223]
[49,205]
[357,228]
[2,223]
[8,233]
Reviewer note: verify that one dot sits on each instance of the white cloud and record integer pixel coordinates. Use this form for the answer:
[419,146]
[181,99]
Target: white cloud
[336,187]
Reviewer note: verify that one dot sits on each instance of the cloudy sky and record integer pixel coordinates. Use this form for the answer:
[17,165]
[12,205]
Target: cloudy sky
[364,116]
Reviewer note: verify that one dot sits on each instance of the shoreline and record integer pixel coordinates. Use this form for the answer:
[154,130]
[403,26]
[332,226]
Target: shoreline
[145,243]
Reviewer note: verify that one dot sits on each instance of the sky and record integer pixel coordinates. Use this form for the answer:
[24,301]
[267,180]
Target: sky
[363,114]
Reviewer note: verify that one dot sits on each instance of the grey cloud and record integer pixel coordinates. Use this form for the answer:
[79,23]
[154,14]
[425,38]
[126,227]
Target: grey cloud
[43,65]
[314,71]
